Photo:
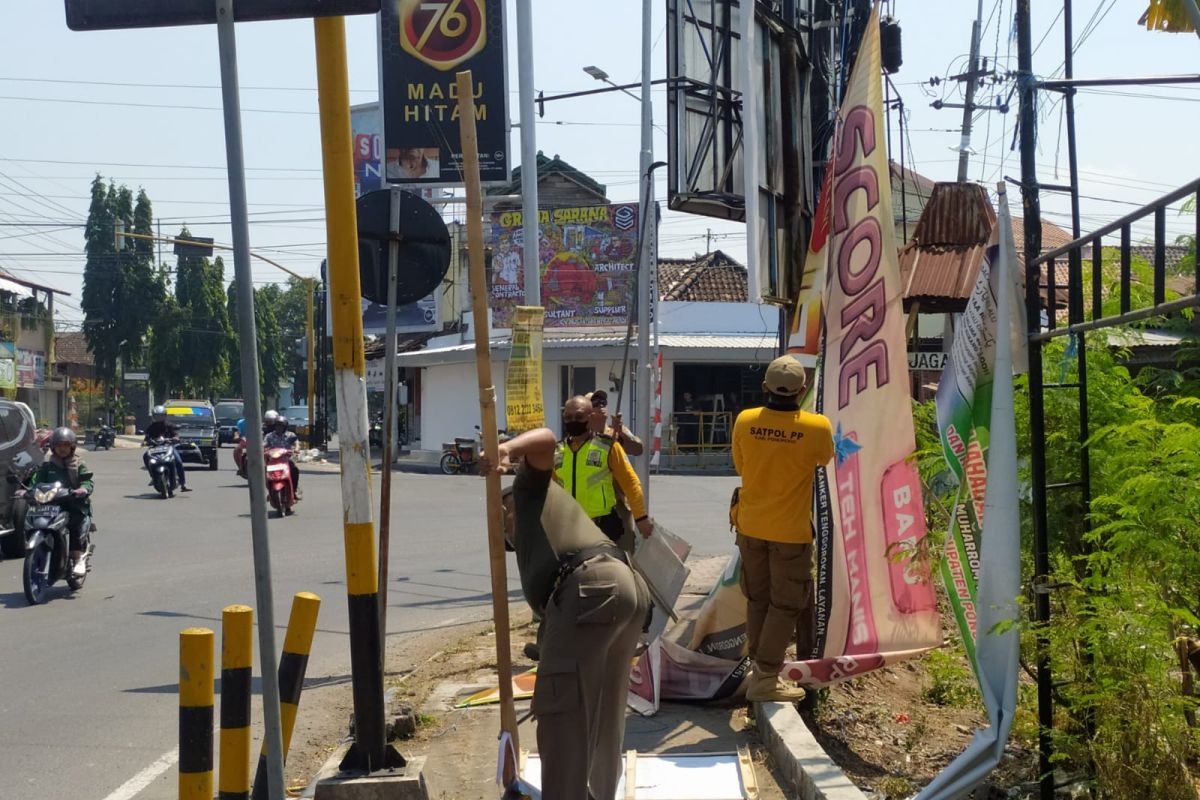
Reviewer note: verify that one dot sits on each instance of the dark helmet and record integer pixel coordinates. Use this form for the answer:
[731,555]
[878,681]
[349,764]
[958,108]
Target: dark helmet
[281,420]
[61,435]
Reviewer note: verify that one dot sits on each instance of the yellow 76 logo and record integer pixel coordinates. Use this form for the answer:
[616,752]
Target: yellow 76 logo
[443,33]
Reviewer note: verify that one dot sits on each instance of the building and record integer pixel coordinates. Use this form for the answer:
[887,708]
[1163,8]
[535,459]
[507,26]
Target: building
[27,349]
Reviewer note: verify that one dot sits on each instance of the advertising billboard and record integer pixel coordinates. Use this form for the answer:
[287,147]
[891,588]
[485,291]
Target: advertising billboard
[423,45]
[588,260]
[366,123]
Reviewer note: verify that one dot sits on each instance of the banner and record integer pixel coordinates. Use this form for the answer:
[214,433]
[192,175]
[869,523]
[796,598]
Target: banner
[423,45]
[588,265]
[31,368]
[875,602]
[8,366]
[366,122]
[964,414]
[524,408]
[983,358]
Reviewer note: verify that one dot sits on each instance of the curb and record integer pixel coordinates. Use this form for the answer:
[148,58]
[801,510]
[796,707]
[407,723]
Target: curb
[810,773]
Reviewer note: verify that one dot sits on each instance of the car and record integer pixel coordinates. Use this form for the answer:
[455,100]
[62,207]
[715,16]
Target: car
[21,455]
[228,413]
[197,424]
[297,417]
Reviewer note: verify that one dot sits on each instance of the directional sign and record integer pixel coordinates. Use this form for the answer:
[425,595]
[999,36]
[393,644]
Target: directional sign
[100,15]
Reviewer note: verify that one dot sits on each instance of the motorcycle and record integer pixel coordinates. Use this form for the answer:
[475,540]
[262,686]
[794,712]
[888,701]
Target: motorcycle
[239,458]
[281,492]
[462,455]
[106,437]
[47,542]
[162,467]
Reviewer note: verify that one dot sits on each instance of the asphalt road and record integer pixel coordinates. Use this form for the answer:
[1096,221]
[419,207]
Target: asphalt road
[88,696]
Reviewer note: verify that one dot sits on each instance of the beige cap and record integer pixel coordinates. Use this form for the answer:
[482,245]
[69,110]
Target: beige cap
[785,377]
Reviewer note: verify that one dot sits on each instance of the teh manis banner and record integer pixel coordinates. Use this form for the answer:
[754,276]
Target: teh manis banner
[524,408]
[423,44]
[875,600]
[588,265]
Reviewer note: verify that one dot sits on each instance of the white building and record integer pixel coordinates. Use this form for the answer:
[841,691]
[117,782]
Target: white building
[713,349]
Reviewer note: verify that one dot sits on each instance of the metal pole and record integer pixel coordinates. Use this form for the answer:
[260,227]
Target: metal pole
[389,405]
[645,373]
[1037,421]
[310,359]
[531,252]
[248,339]
[369,752]
[969,106]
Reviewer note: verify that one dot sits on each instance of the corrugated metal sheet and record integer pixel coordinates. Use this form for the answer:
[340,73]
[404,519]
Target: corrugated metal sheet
[940,265]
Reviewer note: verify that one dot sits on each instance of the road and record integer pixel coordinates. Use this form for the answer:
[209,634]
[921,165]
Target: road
[89,691]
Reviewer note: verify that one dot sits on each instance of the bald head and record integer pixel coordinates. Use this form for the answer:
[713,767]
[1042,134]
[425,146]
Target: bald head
[577,405]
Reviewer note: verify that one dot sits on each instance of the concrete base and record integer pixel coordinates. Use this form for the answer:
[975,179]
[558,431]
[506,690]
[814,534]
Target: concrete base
[405,783]
[803,763]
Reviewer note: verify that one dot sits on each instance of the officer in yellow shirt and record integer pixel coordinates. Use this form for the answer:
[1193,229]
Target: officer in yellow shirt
[589,464]
[776,451]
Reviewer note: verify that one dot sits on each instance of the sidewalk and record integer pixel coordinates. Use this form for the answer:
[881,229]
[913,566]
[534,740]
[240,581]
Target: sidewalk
[461,744]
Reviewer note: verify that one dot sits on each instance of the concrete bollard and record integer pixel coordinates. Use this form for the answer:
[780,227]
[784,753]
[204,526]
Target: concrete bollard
[293,663]
[237,649]
[196,714]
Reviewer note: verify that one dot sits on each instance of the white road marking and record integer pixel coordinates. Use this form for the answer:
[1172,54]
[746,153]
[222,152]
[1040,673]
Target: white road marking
[132,787]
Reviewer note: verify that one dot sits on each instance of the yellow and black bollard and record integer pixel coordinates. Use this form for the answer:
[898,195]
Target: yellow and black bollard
[196,714]
[293,663]
[237,647]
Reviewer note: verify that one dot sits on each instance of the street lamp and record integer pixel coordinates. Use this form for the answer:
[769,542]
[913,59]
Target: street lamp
[601,75]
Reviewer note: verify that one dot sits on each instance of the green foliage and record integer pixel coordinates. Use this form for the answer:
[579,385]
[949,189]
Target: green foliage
[950,680]
[1127,578]
[122,292]
[200,328]
[272,344]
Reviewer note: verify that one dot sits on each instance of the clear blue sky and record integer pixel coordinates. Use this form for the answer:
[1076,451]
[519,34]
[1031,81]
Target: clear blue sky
[64,115]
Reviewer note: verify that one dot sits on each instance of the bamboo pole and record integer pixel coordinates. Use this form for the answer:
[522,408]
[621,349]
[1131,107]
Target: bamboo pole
[487,415]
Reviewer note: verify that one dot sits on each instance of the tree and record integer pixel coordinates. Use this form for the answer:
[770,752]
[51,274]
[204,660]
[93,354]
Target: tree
[271,343]
[113,279]
[201,298]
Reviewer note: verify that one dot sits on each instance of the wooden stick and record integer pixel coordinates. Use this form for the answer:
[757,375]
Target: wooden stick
[487,415]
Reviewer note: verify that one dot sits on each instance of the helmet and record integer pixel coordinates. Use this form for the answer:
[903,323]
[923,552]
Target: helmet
[159,411]
[280,419]
[270,417]
[61,435]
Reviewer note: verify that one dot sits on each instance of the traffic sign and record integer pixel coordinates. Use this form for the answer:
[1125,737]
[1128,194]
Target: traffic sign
[101,15]
[424,247]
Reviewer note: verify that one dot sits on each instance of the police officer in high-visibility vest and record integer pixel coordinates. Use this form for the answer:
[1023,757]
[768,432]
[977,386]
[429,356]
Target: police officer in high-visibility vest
[590,466]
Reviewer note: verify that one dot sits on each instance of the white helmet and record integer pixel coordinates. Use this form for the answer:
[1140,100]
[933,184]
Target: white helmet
[159,411]
[270,417]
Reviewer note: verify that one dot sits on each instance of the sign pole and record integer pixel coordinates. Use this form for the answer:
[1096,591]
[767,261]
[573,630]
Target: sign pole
[231,101]
[645,372]
[531,249]
[369,752]
[389,420]
[310,359]
[487,416]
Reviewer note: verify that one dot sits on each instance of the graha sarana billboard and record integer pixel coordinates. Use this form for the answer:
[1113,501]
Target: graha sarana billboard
[588,258]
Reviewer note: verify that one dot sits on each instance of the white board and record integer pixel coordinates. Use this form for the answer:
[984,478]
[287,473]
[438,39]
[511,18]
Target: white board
[672,777]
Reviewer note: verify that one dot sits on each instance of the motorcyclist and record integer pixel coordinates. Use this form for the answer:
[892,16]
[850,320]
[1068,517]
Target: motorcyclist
[269,419]
[161,429]
[280,436]
[65,466]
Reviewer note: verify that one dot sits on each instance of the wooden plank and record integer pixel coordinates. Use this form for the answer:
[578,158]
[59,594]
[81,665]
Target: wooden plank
[631,775]
[746,767]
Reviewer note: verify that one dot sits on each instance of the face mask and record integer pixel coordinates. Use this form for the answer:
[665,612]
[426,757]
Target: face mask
[575,427]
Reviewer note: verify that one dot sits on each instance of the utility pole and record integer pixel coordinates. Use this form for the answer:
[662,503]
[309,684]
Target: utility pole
[531,252]
[972,78]
[645,373]
[1037,430]
[708,242]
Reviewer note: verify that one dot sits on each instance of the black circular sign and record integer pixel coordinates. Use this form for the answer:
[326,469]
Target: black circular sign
[424,247]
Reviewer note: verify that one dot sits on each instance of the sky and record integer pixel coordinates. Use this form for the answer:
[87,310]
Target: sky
[143,108]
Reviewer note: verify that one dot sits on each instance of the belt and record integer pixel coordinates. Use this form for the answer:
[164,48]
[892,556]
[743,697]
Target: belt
[573,561]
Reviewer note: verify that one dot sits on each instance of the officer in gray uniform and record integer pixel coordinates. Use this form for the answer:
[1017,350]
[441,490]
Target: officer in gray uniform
[594,605]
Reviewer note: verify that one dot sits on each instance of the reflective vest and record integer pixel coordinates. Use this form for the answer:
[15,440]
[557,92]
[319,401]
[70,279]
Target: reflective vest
[585,474]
